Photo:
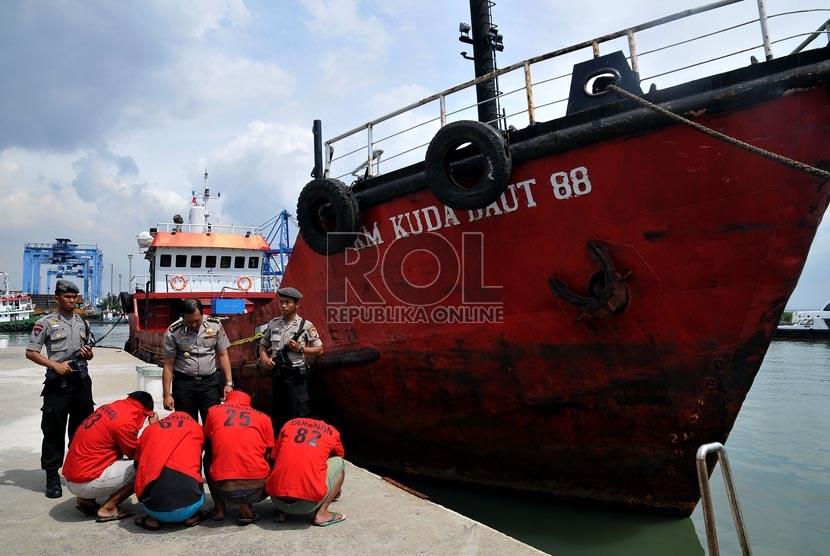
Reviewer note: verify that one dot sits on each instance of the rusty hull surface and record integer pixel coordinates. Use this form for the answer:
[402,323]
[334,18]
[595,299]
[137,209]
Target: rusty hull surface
[607,407]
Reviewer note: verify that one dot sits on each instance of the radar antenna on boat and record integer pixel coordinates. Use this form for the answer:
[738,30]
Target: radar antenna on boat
[199,215]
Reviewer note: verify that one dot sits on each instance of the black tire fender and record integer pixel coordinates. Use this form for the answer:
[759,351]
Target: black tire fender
[493,179]
[328,215]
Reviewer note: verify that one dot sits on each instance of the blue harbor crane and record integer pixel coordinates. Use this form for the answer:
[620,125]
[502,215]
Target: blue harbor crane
[276,259]
[65,259]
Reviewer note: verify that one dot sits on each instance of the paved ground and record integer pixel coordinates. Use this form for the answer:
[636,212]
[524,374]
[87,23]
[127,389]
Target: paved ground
[382,519]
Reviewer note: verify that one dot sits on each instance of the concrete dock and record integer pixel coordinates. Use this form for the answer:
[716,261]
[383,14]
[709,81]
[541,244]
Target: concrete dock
[382,519]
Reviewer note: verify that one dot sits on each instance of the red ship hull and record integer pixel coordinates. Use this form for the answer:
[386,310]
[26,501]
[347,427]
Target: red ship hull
[512,385]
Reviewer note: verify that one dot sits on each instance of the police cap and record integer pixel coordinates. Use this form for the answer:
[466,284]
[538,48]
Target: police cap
[64,286]
[290,292]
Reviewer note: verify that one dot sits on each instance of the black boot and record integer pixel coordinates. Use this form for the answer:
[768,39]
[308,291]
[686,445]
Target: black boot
[53,485]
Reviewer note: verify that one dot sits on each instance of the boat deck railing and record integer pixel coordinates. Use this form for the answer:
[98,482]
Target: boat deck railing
[536,89]
[172,227]
[16,307]
[209,282]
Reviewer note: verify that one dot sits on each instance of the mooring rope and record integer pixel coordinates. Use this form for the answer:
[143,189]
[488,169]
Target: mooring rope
[769,155]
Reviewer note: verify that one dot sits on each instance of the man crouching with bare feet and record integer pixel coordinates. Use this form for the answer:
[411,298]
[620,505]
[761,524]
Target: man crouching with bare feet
[308,473]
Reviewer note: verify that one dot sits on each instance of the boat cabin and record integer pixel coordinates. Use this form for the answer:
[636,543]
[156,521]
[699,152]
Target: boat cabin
[217,259]
[223,266]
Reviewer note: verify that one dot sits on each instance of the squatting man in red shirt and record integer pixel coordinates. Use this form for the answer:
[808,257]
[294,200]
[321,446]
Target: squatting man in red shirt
[168,480]
[239,442]
[308,473]
[95,467]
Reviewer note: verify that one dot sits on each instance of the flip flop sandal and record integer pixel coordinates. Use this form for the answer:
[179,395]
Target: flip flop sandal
[335,518]
[141,521]
[121,514]
[242,521]
[197,518]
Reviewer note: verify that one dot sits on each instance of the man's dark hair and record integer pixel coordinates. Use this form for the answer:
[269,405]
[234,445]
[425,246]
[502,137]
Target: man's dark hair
[143,398]
[190,306]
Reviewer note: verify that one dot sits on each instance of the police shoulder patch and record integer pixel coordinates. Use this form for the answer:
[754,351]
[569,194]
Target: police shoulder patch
[175,326]
[313,332]
[213,319]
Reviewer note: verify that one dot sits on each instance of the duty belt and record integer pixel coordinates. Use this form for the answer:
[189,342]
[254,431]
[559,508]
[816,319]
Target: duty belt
[179,375]
[286,369]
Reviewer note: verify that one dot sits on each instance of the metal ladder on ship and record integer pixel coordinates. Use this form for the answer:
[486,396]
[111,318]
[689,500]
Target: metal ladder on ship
[706,497]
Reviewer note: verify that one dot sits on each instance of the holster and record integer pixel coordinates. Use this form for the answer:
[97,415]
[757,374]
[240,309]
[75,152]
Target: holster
[53,381]
[290,374]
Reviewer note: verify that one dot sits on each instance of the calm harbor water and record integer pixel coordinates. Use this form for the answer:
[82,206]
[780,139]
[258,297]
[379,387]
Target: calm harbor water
[779,450]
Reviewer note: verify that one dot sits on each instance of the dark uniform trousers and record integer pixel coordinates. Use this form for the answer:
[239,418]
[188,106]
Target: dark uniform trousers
[64,398]
[196,394]
[289,394]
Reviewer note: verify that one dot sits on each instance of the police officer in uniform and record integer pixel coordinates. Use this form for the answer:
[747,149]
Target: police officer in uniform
[67,391]
[194,346]
[286,342]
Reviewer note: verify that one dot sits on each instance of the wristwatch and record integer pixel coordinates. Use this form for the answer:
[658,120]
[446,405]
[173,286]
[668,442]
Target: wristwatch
[229,384]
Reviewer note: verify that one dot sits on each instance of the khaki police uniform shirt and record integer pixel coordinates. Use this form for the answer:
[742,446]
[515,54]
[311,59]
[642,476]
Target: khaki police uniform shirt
[62,336]
[195,352]
[278,333]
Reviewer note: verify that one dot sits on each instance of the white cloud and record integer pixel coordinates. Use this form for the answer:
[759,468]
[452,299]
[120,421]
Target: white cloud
[356,43]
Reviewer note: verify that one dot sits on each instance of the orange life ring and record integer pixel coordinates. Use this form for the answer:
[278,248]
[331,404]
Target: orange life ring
[178,282]
[244,279]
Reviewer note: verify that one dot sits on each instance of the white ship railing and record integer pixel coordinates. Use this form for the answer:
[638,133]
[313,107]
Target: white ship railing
[11,308]
[363,148]
[207,282]
[219,282]
[172,227]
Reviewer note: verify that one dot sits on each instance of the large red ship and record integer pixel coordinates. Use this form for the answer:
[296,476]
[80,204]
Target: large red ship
[572,307]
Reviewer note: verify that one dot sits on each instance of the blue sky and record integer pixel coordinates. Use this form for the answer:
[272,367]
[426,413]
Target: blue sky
[111,111]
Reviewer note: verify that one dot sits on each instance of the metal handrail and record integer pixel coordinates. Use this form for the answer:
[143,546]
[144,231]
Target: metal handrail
[213,228]
[525,65]
[706,498]
[531,109]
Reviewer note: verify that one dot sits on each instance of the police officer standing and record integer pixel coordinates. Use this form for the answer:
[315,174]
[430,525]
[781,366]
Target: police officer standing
[286,342]
[194,346]
[67,391]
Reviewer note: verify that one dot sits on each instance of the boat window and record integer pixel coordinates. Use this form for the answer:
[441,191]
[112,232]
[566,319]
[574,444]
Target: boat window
[210,261]
[253,262]
[195,261]
[225,262]
[165,260]
[181,261]
[239,262]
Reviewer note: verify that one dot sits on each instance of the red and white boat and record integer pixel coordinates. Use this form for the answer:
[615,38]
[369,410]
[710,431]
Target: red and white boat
[572,307]
[219,265]
[16,308]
